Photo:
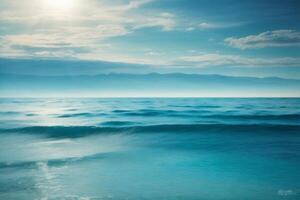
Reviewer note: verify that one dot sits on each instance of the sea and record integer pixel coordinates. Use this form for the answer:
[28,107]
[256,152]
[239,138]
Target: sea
[150,148]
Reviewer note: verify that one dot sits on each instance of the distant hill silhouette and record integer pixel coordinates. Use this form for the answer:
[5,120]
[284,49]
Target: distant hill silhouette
[144,85]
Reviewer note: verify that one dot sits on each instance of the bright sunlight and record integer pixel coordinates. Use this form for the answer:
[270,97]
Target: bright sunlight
[60,4]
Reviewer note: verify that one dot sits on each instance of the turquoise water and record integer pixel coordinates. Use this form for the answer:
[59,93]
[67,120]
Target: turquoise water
[210,149]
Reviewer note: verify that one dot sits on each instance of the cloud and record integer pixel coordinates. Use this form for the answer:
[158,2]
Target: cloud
[214,59]
[81,32]
[136,4]
[90,14]
[277,38]
[63,37]
[190,28]
[209,25]
[205,25]
[60,42]
[153,53]
[164,20]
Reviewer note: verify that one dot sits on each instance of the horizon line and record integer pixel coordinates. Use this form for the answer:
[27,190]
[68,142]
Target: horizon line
[152,73]
[152,97]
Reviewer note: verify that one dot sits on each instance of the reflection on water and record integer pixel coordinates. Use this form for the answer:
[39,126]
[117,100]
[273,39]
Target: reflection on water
[149,149]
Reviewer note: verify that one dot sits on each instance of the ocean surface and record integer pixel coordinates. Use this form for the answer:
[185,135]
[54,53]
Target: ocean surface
[146,149]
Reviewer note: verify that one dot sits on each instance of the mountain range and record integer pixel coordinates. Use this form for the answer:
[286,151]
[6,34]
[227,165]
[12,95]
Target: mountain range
[145,85]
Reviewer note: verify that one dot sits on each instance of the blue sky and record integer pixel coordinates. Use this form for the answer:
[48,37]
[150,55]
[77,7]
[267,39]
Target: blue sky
[255,38]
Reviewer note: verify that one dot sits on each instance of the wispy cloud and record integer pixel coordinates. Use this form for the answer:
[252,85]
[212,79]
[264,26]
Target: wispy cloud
[164,20]
[40,31]
[277,38]
[60,42]
[65,37]
[214,59]
[211,25]
[206,25]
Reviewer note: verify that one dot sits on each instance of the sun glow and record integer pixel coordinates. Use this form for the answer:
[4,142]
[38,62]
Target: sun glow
[60,4]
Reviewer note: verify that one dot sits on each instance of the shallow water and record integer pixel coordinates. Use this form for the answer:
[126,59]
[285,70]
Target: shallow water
[150,149]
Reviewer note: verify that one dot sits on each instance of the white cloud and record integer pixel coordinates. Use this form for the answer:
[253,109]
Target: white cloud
[60,42]
[190,28]
[85,14]
[277,38]
[215,59]
[164,20]
[40,31]
[205,25]
[153,53]
[136,4]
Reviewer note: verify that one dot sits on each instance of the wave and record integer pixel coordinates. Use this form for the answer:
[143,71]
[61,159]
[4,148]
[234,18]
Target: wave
[82,131]
[144,112]
[196,106]
[193,113]
[206,114]
[75,115]
[117,123]
[83,114]
[31,114]
[257,117]
[10,113]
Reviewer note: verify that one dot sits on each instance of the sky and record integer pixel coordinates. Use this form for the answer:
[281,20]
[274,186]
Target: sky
[232,37]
